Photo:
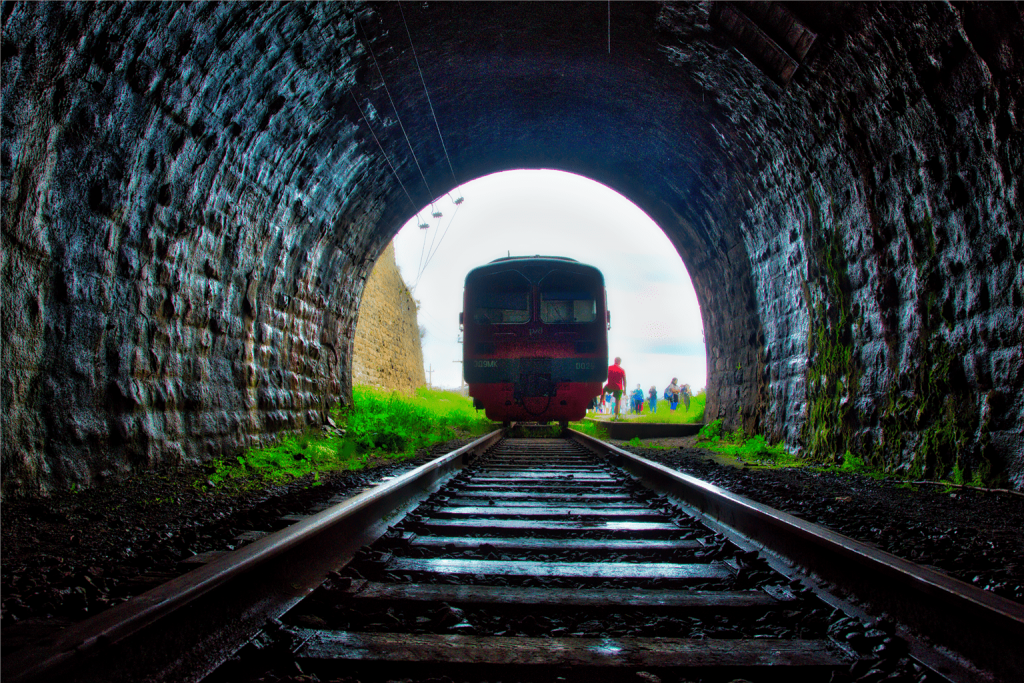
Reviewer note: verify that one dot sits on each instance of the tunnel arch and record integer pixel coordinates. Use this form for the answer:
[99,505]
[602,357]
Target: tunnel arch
[656,321]
[194,195]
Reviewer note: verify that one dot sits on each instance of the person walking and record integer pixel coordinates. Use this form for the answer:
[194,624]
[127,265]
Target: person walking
[616,383]
[672,394]
[637,396]
[652,398]
[684,393]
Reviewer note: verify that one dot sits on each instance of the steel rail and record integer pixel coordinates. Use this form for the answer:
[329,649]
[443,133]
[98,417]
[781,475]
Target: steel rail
[526,620]
[168,633]
[983,628]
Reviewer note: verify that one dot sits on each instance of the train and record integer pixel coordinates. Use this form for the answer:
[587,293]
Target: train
[535,338]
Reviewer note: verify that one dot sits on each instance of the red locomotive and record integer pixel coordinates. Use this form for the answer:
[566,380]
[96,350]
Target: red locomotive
[535,347]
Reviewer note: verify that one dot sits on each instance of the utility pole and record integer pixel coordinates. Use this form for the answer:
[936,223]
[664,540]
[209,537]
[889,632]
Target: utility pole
[430,382]
[462,378]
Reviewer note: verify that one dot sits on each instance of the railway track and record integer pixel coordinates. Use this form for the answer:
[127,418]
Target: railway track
[545,559]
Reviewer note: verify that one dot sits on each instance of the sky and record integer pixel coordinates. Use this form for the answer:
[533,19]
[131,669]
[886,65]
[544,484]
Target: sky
[656,323]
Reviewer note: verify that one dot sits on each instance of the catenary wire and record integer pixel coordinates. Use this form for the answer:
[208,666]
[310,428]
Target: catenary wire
[385,154]
[369,48]
[433,250]
[427,93]
[430,256]
[433,238]
[423,250]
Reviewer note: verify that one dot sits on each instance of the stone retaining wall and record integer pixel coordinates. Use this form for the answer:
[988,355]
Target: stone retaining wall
[387,352]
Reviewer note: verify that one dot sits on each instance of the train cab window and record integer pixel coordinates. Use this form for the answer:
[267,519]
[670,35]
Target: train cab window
[502,298]
[565,298]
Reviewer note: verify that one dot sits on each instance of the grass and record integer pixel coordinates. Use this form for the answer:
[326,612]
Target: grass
[635,442]
[400,424]
[665,415]
[590,428]
[681,415]
[754,450]
[854,464]
[380,427]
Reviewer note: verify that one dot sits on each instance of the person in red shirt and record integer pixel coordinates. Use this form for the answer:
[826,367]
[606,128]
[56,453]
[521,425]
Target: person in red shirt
[617,383]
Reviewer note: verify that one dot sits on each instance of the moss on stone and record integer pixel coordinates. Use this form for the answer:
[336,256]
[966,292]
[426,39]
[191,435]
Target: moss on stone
[928,428]
[929,419]
[931,416]
[833,373]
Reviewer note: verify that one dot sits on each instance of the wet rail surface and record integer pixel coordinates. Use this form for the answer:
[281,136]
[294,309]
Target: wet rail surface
[542,561]
[539,559]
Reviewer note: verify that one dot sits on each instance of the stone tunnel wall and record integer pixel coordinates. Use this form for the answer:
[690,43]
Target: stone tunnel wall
[880,210]
[175,284]
[891,288]
[387,352]
[194,195]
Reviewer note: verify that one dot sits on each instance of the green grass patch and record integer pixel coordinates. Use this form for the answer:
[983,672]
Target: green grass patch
[380,427]
[635,442]
[851,463]
[754,450]
[665,415]
[681,415]
[292,457]
[590,428]
[395,423]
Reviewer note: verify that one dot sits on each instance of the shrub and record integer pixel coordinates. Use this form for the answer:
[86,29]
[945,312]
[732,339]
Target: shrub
[712,430]
[755,449]
[736,436]
[852,463]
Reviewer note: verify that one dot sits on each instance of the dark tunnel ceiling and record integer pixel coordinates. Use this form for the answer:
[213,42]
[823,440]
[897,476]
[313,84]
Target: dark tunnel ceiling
[193,200]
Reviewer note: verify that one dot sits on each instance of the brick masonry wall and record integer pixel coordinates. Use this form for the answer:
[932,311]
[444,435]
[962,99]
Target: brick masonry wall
[387,352]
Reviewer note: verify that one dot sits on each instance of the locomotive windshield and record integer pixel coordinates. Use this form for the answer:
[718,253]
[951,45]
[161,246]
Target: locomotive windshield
[502,298]
[567,298]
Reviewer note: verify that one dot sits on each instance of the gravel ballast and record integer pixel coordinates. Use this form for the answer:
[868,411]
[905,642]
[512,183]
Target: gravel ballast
[71,556]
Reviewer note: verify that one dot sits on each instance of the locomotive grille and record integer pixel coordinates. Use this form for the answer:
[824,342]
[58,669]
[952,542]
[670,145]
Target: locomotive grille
[535,385]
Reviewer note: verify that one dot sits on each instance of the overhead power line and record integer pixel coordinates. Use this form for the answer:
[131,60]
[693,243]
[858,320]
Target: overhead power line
[427,93]
[383,153]
[430,256]
[398,117]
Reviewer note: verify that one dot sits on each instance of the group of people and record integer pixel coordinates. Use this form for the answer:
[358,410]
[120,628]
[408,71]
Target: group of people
[615,390]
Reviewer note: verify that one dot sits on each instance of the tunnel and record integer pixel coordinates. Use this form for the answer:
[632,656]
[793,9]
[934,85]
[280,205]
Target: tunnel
[194,195]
